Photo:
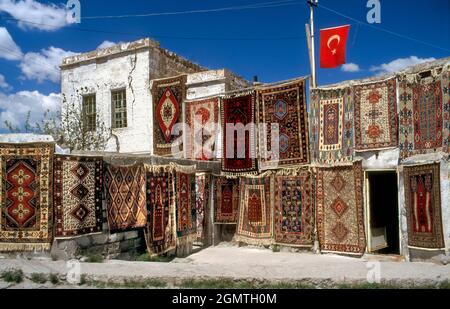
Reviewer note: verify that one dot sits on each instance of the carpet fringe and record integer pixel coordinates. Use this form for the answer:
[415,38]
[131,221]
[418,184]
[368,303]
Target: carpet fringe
[12,247]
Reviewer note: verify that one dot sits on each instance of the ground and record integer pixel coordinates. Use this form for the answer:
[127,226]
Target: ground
[230,266]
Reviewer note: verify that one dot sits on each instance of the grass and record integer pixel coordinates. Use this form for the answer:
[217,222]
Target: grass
[53,278]
[146,258]
[38,278]
[94,258]
[276,248]
[12,276]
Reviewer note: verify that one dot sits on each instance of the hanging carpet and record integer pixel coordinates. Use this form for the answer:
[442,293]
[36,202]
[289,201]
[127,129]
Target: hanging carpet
[168,95]
[294,209]
[255,222]
[125,197]
[284,105]
[423,206]
[227,200]
[26,196]
[339,207]
[78,183]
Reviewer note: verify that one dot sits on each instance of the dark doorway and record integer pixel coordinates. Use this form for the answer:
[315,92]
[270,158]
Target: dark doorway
[383,207]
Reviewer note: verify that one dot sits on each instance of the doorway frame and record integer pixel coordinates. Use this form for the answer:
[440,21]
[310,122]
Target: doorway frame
[366,195]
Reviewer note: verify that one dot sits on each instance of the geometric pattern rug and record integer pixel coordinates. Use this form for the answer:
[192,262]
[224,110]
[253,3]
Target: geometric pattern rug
[168,95]
[227,200]
[78,195]
[376,115]
[125,197]
[255,223]
[424,116]
[202,117]
[160,231]
[284,105]
[26,196]
[185,204]
[294,213]
[332,125]
[239,150]
[423,206]
[339,207]
[202,182]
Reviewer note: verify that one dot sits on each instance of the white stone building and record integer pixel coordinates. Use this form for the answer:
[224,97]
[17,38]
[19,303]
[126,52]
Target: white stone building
[116,81]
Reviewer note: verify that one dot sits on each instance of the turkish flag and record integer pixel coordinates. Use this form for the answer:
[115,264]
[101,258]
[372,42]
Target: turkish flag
[332,46]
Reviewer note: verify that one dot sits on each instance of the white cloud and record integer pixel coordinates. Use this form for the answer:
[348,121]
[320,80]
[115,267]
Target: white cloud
[399,64]
[44,65]
[8,48]
[107,44]
[35,15]
[14,107]
[350,67]
[3,83]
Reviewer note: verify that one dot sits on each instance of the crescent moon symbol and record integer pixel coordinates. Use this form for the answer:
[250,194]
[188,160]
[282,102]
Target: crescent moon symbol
[332,38]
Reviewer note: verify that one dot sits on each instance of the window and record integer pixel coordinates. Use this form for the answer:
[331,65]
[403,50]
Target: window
[119,108]
[89,113]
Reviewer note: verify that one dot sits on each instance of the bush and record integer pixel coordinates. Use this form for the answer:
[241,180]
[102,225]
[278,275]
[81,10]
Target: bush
[14,276]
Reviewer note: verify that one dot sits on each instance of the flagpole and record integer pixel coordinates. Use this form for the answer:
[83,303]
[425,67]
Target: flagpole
[311,45]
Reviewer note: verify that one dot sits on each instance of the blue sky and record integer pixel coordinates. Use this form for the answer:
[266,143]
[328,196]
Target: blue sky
[268,42]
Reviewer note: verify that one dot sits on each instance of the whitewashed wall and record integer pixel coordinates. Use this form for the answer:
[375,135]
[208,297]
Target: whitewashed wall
[130,72]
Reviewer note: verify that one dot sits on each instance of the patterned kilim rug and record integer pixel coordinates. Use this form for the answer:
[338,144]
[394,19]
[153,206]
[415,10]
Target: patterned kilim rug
[227,200]
[185,204]
[26,196]
[78,187]
[239,150]
[376,115]
[424,122]
[339,206]
[160,231]
[423,206]
[125,197]
[202,117]
[284,105]
[201,202]
[294,213]
[168,95]
[332,125]
[255,223]
[445,83]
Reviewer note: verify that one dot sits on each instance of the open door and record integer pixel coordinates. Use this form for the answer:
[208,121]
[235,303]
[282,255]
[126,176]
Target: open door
[383,221]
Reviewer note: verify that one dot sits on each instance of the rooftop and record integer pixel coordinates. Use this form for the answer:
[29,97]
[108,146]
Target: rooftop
[124,48]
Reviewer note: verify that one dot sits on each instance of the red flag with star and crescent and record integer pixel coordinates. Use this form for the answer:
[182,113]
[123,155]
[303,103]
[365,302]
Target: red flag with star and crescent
[332,46]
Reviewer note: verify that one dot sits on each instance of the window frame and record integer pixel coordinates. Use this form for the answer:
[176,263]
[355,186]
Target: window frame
[122,109]
[89,114]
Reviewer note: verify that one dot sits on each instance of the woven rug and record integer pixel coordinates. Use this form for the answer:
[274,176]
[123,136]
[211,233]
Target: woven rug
[201,203]
[445,83]
[202,117]
[26,196]
[78,184]
[255,222]
[423,119]
[423,206]
[185,204]
[239,150]
[160,231]
[339,206]
[125,197]
[294,213]
[376,115]
[332,126]
[227,200]
[284,105]
[168,95]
